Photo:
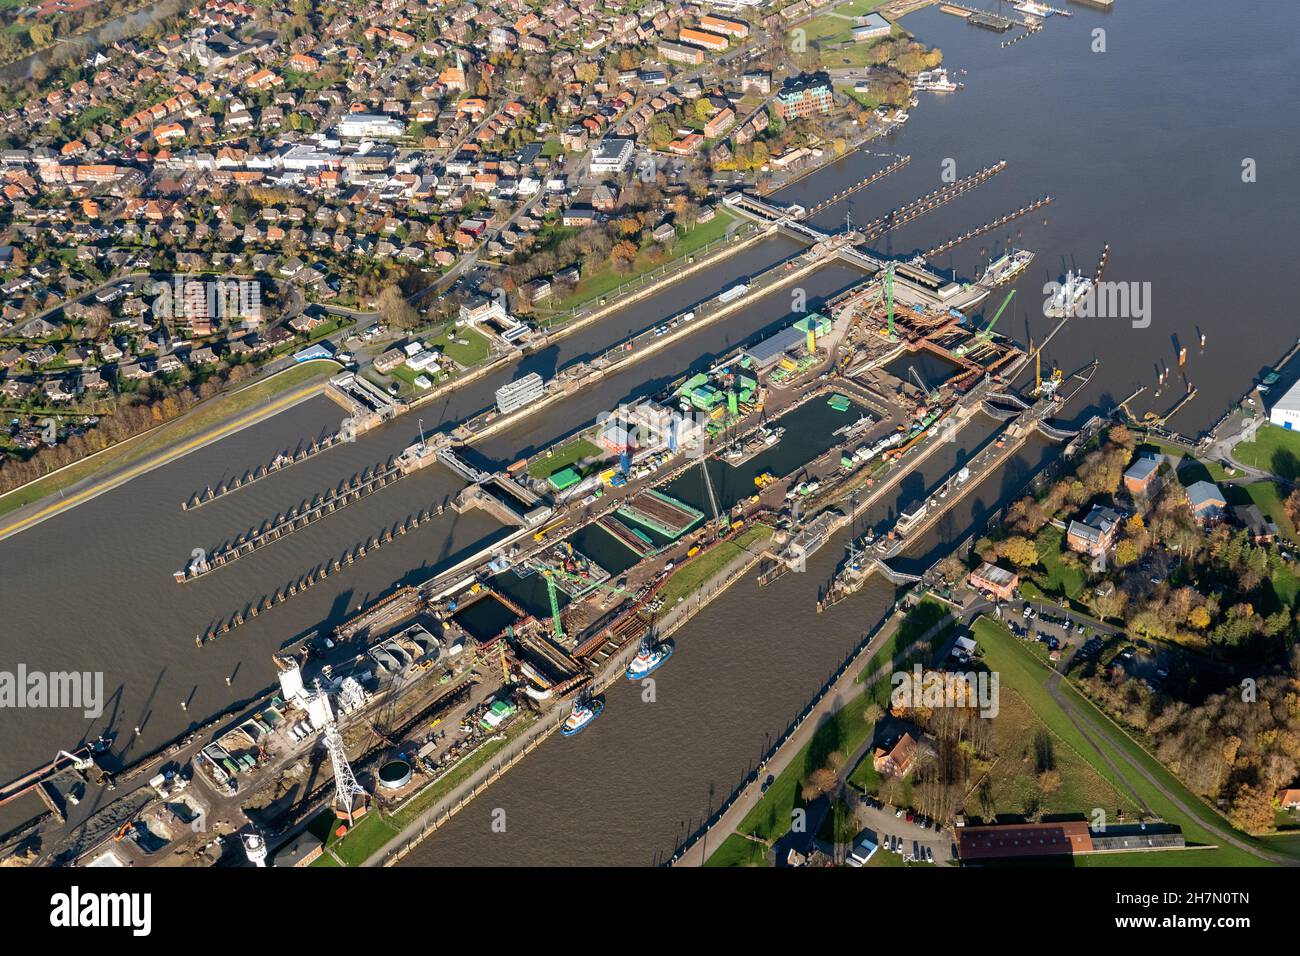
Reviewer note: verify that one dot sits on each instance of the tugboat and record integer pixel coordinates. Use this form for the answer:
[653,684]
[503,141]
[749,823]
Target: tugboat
[650,658]
[585,710]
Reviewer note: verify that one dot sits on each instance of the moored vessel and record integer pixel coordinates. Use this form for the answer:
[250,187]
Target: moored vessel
[649,659]
[585,710]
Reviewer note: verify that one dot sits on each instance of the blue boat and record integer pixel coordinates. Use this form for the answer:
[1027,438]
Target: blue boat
[583,713]
[650,658]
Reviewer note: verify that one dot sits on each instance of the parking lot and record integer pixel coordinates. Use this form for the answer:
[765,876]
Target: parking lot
[914,839]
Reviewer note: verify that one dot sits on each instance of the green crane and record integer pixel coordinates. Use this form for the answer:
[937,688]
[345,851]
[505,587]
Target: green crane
[987,333]
[549,574]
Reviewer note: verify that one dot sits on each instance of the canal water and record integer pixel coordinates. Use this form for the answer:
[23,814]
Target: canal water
[1111,135]
[1142,147]
[809,432]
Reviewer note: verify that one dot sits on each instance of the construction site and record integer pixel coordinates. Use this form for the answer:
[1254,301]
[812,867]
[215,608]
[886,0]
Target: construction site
[764,454]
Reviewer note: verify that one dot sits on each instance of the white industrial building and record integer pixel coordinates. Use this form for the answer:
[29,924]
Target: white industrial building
[520,392]
[611,156]
[1286,410]
[370,125]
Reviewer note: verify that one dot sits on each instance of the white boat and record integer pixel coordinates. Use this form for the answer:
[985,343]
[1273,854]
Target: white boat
[1034,9]
[650,658]
[934,81]
[1007,267]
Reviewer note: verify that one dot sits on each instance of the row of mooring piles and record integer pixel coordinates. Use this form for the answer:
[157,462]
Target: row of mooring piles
[313,577]
[276,465]
[359,486]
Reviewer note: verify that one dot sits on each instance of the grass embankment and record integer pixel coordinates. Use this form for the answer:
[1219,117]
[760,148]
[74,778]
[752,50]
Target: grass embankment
[688,578]
[202,417]
[847,730]
[1028,677]
[844,733]
[736,850]
[607,279]
[1273,449]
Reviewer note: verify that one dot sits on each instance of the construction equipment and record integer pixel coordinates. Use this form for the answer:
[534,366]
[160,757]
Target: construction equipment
[349,795]
[557,625]
[916,377]
[541,535]
[549,574]
[78,763]
[501,648]
[987,333]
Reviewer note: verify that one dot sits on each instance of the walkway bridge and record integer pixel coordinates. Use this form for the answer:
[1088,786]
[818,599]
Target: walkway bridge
[896,578]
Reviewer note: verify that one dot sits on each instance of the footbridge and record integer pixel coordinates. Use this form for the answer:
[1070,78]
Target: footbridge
[896,578]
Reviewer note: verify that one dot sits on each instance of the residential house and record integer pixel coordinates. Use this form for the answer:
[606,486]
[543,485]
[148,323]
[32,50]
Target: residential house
[1095,533]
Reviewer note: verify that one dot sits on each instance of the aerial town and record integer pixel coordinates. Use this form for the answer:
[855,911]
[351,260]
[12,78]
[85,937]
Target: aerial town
[634,433]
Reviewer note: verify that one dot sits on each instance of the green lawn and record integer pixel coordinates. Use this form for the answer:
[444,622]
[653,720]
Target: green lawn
[1268,498]
[1057,578]
[1028,677]
[468,355]
[737,850]
[207,415]
[1013,780]
[858,8]
[1274,449]
[604,281]
[828,29]
[351,849]
[852,54]
[577,450]
[688,578]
